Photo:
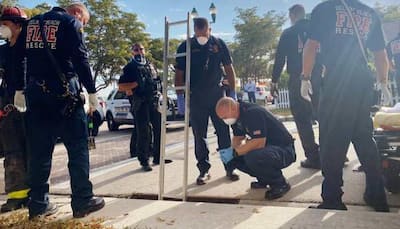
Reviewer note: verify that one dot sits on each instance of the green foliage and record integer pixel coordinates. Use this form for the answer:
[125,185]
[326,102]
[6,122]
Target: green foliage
[390,12]
[64,3]
[110,35]
[255,42]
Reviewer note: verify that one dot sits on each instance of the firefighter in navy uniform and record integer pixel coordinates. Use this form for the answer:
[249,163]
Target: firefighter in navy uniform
[290,50]
[46,117]
[139,82]
[208,53]
[12,134]
[393,50]
[261,146]
[346,95]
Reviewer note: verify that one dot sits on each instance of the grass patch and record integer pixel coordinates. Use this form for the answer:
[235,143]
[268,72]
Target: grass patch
[281,112]
[20,220]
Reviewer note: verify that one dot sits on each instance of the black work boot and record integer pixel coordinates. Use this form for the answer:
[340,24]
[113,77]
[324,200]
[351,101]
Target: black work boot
[331,206]
[277,191]
[49,210]
[310,164]
[258,185]
[95,204]
[202,178]
[232,176]
[379,206]
[13,204]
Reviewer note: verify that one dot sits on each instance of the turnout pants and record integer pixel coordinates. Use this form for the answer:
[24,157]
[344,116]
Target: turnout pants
[44,126]
[13,145]
[345,117]
[303,116]
[266,164]
[146,113]
[201,109]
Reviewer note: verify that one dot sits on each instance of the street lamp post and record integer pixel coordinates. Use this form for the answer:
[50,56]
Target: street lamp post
[212,10]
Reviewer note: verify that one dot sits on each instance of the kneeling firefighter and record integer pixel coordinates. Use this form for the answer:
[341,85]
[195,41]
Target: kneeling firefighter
[12,127]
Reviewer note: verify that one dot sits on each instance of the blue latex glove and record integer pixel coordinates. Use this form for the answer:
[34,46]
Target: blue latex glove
[226,155]
[232,94]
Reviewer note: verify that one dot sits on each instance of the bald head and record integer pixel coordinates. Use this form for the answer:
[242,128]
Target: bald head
[227,108]
[79,11]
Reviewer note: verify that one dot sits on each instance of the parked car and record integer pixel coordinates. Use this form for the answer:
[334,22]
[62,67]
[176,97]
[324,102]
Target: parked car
[118,109]
[261,94]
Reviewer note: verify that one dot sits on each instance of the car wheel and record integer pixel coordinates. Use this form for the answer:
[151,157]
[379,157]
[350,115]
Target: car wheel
[111,124]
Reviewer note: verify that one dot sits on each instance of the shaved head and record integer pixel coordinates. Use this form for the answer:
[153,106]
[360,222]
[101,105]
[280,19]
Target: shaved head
[227,108]
[79,11]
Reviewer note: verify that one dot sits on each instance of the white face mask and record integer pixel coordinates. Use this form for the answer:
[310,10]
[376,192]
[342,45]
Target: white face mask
[230,121]
[5,32]
[202,40]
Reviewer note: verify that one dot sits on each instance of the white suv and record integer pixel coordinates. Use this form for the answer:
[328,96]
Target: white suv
[118,109]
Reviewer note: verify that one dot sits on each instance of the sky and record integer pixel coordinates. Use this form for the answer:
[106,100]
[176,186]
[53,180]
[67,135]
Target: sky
[153,12]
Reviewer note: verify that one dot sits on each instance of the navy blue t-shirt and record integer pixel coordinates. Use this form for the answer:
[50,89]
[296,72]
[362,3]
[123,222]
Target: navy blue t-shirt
[206,65]
[257,122]
[333,28]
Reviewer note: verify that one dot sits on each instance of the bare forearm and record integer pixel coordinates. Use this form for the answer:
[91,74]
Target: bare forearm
[382,66]
[309,54]
[127,86]
[237,141]
[250,145]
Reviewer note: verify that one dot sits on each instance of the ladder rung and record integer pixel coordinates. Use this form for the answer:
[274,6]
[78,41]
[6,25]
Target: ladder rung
[177,22]
[176,88]
[177,55]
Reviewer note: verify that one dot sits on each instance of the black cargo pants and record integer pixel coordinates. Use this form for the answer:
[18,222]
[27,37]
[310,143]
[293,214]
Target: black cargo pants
[346,99]
[303,116]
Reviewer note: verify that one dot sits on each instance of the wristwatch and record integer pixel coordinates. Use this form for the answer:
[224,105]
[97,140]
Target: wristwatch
[303,77]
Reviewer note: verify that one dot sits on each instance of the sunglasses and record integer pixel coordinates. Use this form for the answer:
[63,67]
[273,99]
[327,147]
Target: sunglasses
[137,49]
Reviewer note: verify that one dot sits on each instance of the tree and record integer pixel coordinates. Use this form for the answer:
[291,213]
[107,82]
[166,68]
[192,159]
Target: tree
[389,13]
[255,42]
[110,35]
[39,9]
[64,3]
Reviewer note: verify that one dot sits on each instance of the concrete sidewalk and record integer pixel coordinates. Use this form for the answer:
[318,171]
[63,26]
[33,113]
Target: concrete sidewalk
[150,214]
[247,209]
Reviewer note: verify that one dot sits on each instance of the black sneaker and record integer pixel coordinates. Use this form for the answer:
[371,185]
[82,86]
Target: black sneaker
[49,210]
[310,164]
[202,178]
[331,206]
[166,161]
[95,204]
[146,168]
[13,204]
[258,185]
[232,176]
[277,191]
[379,206]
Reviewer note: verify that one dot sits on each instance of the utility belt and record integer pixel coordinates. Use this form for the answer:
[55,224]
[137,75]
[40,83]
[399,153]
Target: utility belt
[65,94]
[137,100]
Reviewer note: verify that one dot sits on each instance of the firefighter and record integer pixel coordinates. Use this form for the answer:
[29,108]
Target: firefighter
[347,94]
[54,74]
[208,54]
[261,145]
[12,133]
[290,50]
